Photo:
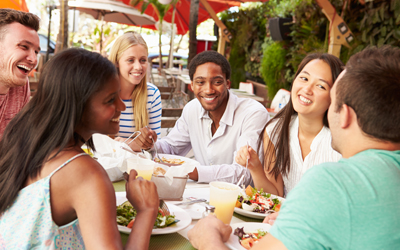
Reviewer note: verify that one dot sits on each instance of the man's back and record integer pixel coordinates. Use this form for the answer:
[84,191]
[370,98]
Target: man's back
[357,205]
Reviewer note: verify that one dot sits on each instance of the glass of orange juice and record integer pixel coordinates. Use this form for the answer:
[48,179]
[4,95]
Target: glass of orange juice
[143,167]
[223,197]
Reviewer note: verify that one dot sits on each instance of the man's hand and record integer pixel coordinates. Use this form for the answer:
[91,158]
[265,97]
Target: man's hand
[194,175]
[209,233]
[270,219]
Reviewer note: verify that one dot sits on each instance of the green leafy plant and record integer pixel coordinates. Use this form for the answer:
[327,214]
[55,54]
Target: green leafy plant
[375,24]
[273,63]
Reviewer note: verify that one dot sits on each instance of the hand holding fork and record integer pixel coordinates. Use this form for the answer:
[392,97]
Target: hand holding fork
[247,163]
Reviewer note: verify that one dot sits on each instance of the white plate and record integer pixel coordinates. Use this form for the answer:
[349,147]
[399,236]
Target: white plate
[233,241]
[180,214]
[254,215]
[185,159]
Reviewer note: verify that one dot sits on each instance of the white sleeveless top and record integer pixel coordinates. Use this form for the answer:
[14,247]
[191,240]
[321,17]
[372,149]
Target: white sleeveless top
[321,151]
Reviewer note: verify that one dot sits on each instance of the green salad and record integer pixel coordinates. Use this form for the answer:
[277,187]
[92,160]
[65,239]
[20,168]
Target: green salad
[126,214]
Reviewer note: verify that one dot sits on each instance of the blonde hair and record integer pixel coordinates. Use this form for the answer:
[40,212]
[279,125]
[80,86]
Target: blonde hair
[139,94]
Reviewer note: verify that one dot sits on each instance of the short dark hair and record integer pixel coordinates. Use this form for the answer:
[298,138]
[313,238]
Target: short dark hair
[9,16]
[371,87]
[213,57]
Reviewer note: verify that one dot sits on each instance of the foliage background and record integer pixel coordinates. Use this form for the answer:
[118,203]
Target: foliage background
[253,54]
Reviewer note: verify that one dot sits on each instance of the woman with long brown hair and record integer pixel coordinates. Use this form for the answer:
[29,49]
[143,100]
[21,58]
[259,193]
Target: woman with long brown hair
[52,194]
[298,137]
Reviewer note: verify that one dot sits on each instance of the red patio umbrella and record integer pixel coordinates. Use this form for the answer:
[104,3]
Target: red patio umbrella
[183,12]
[14,4]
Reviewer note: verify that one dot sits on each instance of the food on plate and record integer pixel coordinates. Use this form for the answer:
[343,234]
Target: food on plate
[170,160]
[159,171]
[248,239]
[126,214]
[258,201]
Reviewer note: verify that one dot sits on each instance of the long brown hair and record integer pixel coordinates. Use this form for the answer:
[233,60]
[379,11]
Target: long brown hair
[48,122]
[280,133]
[139,94]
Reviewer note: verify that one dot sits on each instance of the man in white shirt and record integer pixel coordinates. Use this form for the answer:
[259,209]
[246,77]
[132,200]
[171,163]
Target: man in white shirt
[215,124]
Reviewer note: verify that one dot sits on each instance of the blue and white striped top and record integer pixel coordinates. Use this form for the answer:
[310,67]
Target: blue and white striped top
[127,121]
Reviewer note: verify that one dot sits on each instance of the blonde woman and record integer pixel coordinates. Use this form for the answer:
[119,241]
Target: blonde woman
[142,99]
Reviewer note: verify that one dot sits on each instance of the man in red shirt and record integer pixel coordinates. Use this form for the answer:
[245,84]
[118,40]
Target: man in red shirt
[19,46]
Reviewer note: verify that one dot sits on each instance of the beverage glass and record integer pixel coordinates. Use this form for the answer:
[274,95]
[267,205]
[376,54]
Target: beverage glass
[143,167]
[223,197]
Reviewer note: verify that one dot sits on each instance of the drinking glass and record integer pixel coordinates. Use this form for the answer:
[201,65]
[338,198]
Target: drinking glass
[143,167]
[223,197]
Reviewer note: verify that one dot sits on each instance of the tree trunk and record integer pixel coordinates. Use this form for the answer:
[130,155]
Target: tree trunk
[62,37]
[194,13]
[171,42]
[161,66]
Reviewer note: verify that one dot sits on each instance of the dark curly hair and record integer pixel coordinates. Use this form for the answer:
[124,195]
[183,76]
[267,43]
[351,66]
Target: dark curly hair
[210,56]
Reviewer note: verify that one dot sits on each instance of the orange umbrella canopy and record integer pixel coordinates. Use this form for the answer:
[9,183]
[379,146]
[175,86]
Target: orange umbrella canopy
[14,4]
[183,12]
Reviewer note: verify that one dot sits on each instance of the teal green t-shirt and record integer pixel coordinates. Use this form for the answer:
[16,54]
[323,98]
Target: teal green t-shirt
[351,204]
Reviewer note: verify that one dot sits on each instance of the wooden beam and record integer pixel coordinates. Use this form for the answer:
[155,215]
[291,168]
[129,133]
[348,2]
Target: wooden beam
[339,33]
[221,43]
[225,32]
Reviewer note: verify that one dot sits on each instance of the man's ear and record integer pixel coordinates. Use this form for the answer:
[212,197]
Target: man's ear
[346,116]
[228,84]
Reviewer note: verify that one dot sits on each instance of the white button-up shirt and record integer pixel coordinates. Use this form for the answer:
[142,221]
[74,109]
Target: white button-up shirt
[242,122]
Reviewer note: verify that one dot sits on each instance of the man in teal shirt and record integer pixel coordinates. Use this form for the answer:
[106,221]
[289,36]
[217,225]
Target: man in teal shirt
[354,203]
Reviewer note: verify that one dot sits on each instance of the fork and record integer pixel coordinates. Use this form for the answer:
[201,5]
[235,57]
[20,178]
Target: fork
[164,207]
[247,163]
[155,148]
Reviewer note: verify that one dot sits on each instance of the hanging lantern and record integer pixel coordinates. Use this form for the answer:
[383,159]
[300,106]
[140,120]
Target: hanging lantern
[165,1]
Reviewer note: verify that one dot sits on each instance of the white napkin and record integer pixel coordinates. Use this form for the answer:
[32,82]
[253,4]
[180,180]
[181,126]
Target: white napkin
[111,156]
[178,171]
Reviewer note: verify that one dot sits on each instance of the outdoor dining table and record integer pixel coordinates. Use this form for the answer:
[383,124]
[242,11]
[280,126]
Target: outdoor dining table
[179,240]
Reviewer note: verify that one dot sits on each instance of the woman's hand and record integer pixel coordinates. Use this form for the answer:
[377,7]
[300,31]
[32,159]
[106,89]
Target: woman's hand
[249,153]
[142,194]
[146,138]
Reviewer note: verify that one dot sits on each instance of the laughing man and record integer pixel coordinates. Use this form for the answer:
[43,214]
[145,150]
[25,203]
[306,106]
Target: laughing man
[19,46]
